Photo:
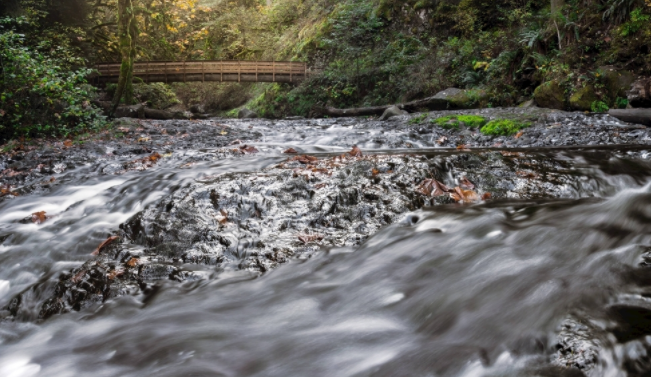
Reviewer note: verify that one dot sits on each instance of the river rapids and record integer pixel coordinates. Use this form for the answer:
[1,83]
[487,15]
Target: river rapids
[230,263]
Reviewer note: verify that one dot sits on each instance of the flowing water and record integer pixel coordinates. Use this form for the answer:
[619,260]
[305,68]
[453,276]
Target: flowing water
[520,286]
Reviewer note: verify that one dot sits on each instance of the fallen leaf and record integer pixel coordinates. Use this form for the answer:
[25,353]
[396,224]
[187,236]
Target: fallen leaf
[526,174]
[133,262]
[104,244]
[486,196]
[355,152]
[375,172]
[432,187]
[78,276]
[39,217]
[462,147]
[225,219]
[224,132]
[519,134]
[304,159]
[466,196]
[67,143]
[441,140]
[115,273]
[154,157]
[124,129]
[290,150]
[466,184]
[307,238]
[247,149]
[235,142]
[143,139]
[52,179]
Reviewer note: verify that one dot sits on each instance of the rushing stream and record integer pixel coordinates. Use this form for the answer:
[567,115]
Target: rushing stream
[550,278]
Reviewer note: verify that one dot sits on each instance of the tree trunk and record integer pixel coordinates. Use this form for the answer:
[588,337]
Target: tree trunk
[127,32]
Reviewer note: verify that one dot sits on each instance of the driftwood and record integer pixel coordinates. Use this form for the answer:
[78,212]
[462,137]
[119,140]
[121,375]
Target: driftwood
[638,116]
[427,104]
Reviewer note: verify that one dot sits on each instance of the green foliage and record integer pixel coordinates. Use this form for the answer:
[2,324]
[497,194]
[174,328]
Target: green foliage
[621,103]
[599,107]
[418,119]
[155,95]
[638,20]
[448,122]
[472,121]
[41,93]
[503,127]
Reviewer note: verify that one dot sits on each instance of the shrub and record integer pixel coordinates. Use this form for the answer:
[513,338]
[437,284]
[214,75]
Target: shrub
[599,107]
[40,94]
[502,127]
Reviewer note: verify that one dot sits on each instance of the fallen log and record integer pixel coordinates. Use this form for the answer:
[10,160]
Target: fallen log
[427,104]
[638,116]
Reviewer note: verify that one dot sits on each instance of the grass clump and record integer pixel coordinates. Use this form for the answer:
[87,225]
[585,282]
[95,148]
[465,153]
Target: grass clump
[503,127]
[454,121]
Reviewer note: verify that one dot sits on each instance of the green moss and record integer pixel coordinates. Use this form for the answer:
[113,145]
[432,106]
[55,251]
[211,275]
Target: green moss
[472,121]
[583,98]
[455,121]
[418,120]
[448,122]
[503,127]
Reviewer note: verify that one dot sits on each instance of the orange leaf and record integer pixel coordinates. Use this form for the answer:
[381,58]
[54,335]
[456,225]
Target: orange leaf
[154,157]
[462,147]
[104,244]
[486,196]
[290,151]
[304,159]
[375,172]
[466,184]
[247,149]
[67,143]
[133,262]
[519,134]
[38,217]
[466,196]
[355,152]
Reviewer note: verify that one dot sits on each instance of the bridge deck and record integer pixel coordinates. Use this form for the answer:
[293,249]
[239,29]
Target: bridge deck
[223,70]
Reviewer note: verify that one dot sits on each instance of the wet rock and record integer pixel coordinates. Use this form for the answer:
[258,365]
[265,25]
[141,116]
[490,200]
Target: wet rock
[583,98]
[617,82]
[198,109]
[246,114]
[550,95]
[391,112]
[136,111]
[527,104]
[640,93]
[462,99]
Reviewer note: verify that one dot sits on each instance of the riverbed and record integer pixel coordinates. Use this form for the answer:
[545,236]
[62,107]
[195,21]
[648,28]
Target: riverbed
[330,247]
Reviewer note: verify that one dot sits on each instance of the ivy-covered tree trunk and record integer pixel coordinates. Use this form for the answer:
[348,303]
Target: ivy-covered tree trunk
[127,32]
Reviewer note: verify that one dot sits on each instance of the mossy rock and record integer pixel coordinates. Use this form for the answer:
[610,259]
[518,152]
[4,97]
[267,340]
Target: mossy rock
[458,99]
[583,98]
[156,95]
[616,82]
[550,95]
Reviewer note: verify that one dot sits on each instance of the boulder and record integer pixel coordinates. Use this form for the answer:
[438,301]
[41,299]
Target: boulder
[198,109]
[583,98]
[616,82]
[246,114]
[391,112]
[640,93]
[550,95]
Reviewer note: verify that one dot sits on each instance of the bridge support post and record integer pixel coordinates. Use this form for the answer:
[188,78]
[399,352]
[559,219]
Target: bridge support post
[273,70]
[239,71]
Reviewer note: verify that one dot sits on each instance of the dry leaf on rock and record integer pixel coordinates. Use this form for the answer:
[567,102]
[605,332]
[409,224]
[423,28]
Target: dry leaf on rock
[519,134]
[290,151]
[133,262]
[104,244]
[432,187]
[355,152]
[304,159]
[67,143]
[247,149]
[486,196]
[466,196]
[307,238]
[39,217]
[466,184]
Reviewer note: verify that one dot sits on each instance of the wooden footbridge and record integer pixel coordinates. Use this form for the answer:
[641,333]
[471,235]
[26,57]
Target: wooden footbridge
[220,71]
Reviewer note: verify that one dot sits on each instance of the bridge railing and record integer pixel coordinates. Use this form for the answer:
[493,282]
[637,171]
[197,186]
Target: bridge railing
[221,70]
